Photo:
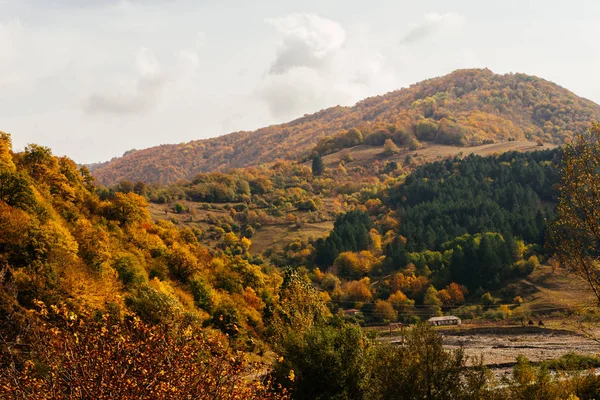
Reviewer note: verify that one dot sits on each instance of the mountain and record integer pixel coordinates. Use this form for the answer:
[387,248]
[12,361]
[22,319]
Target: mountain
[466,107]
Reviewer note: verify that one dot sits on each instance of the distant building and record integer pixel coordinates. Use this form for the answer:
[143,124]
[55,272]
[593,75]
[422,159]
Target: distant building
[449,320]
[351,312]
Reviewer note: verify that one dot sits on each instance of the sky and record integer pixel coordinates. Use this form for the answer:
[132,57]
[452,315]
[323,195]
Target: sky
[92,79]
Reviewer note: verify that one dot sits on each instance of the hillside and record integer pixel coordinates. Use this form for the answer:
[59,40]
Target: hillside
[93,276]
[466,107]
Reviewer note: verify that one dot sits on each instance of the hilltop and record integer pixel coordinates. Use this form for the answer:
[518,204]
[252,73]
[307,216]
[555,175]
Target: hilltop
[464,108]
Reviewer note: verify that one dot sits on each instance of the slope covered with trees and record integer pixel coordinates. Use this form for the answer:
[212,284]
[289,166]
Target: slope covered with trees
[466,107]
[97,300]
[92,290]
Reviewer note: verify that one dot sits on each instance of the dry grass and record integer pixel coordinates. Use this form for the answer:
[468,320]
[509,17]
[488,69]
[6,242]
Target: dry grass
[265,237]
[363,155]
[281,235]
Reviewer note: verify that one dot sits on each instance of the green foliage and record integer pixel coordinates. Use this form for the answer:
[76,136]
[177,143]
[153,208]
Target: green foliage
[227,317]
[324,362]
[131,274]
[426,130]
[350,233]
[423,369]
[154,307]
[432,300]
[15,189]
[443,200]
[317,165]
[300,307]
[202,293]
[378,138]
[179,208]
[572,362]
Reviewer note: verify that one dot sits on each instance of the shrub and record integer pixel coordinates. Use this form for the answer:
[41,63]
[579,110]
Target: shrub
[108,358]
[129,270]
[423,369]
[487,299]
[179,208]
[154,307]
[323,363]
[426,129]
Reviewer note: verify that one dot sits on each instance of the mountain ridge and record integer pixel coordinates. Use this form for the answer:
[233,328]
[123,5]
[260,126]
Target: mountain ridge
[466,107]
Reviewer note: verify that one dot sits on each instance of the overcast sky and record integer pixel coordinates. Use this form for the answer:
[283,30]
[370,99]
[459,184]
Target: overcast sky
[94,78]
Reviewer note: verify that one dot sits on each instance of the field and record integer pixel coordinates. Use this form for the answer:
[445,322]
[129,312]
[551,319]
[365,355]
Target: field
[362,155]
[270,236]
[265,237]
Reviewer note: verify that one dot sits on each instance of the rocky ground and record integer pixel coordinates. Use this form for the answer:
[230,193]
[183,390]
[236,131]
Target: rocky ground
[499,347]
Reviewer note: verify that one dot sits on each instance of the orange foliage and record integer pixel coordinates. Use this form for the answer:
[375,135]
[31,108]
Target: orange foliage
[69,357]
[466,107]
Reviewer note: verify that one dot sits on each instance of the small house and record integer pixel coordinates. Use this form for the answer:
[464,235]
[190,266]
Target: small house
[447,320]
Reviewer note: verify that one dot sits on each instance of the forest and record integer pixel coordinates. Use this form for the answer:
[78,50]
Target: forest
[90,278]
[465,108]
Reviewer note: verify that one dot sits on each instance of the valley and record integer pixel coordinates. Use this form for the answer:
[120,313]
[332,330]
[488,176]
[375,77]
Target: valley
[289,263]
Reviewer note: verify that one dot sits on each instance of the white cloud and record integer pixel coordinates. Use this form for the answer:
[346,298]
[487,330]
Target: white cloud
[141,94]
[319,64]
[433,24]
[27,55]
[149,82]
[308,40]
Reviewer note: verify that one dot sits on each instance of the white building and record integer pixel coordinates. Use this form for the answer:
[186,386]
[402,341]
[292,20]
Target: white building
[448,320]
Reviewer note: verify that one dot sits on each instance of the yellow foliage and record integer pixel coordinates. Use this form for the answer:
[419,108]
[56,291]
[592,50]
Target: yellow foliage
[357,291]
[506,311]
[376,242]
[245,243]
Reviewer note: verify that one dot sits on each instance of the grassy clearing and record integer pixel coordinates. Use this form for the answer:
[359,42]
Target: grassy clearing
[265,237]
[363,155]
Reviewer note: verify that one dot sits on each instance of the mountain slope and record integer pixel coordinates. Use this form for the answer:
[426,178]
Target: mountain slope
[466,107]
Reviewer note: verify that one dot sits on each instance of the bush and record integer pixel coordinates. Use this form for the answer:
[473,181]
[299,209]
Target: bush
[423,369]
[426,129]
[111,358]
[377,138]
[202,293]
[323,363]
[179,208]
[154,307]
[129,270]
[487,299]
[227,318]
[572,362]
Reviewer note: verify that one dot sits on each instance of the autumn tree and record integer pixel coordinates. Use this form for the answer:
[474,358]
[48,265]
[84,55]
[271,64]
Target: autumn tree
[390,148]
[127,208]
[423,369]
[6,160]
[575,234]
[384,310]
[300,307]
[432,300]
